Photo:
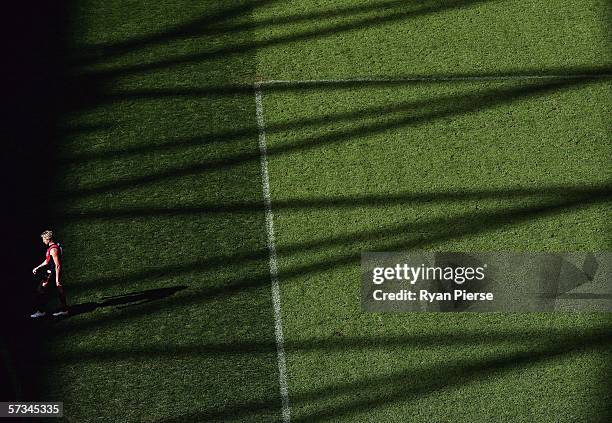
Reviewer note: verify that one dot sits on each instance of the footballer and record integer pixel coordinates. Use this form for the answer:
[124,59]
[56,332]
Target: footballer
[53,262]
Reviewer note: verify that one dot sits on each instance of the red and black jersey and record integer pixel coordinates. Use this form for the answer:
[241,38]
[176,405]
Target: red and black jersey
[49,257]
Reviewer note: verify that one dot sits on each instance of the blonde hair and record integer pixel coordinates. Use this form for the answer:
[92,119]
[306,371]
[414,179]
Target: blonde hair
[47,234]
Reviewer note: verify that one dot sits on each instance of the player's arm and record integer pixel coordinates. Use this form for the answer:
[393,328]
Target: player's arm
[58,266]
[43,264]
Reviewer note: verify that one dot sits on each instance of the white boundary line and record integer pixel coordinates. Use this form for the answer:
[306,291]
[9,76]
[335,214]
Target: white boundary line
[278,323]
[265,178]
[433,79]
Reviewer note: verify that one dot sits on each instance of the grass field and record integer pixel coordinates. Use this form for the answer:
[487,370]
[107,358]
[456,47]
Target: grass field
[448,146]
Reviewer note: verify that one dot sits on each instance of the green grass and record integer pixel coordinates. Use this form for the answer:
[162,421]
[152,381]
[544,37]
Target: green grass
[159,187]
[522,143]
[349,38]
[126,364]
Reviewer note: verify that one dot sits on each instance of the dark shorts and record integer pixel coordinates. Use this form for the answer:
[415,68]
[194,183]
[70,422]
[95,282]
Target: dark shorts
[41,293]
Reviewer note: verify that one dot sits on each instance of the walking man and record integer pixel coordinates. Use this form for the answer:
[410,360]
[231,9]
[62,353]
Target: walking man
[53,262]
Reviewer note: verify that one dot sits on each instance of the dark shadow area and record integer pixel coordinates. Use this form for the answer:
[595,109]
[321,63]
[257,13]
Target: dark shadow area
[41,79]
[193,28]
[125,300]
[341,343]
[316,203]
[469,223]
[401,237]
[84,129]
[417,113]
[409,384]
[403,12]
[95,85]
[574,76]
[377,391]
[382,81]
[34,44]
[182,239]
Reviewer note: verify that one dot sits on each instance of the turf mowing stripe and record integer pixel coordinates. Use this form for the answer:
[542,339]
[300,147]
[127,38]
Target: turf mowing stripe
[435,79]
[278,324]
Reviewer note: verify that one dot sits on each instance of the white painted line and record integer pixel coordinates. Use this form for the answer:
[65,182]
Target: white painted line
[278,323]
[433,79]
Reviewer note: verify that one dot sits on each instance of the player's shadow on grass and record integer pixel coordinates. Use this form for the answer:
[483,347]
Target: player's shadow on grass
[400,237]
[543,202]
[99,85]
[126,300]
